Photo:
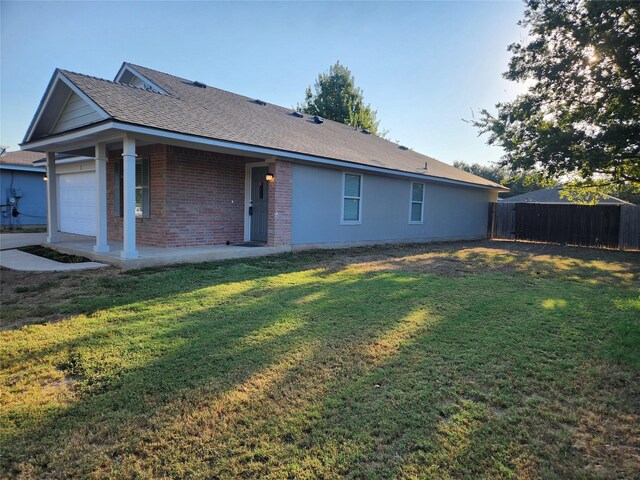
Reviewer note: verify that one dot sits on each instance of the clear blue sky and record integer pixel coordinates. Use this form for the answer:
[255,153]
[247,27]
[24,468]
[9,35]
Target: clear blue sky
[424,66]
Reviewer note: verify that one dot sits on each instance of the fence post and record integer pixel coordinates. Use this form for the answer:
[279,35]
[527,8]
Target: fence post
[491,220]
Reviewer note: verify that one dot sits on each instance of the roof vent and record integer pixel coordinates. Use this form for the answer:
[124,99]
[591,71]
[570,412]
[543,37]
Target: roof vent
[297,114]
[426,166]
[259,102]
[318,119]
[199,85]
[366,132]
[402,147]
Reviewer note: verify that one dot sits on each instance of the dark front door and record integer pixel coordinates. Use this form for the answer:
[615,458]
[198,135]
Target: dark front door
[259,204]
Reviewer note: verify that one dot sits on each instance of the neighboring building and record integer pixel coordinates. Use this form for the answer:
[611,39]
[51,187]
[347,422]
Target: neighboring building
[552,195]
[173,162]
[22,189]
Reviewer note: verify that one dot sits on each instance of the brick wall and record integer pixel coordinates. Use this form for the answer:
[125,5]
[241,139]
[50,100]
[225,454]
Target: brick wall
[197,198]
[149,231]
[279,230]
[205,201]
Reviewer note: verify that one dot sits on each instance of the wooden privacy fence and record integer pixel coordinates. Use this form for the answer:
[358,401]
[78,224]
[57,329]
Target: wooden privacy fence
[604,226]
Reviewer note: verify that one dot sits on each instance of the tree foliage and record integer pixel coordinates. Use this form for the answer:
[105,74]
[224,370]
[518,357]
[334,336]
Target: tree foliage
[580,118]
[518,183]
[336,97]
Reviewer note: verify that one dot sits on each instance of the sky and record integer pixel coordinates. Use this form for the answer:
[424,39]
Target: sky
[425,66]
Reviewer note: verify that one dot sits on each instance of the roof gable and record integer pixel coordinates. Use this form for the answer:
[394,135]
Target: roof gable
[129,75]
[76,113]
[63,107]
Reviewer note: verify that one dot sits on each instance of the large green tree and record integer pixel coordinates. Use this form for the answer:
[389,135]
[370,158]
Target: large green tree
[580,118]
[336,97]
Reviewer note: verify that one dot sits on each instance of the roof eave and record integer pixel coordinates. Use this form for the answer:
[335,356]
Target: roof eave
[122,127]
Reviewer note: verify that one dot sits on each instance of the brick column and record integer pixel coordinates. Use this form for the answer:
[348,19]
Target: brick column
[279,231]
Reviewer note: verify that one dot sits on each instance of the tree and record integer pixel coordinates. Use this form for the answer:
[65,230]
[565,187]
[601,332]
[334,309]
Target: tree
[337,98]
[493,172]
[518,183]
[580,118]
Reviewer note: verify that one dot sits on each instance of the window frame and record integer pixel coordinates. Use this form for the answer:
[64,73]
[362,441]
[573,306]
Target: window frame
[412,201]
[344,196]
[145,186]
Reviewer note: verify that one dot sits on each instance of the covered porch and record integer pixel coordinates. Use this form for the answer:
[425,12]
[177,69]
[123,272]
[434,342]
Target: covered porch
[146,196]
[149,256]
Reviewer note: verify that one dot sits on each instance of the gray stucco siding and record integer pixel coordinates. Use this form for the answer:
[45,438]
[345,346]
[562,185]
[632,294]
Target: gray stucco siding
[450,212]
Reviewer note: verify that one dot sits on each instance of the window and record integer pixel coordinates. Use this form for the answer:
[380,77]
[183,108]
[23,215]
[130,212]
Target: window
[142,188]
[416,206]
[351,198]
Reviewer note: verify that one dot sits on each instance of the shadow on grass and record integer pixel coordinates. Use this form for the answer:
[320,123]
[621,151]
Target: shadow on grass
[308,367]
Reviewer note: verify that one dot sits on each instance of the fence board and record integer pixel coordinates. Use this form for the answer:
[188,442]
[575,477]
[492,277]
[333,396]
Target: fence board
[504,221]
[630,227]
[605,226]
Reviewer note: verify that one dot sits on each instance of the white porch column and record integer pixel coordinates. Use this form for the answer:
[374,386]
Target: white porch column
[129,197]
[101,198]
[52,199]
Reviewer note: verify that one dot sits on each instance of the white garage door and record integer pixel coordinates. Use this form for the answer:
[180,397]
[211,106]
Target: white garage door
[77,203]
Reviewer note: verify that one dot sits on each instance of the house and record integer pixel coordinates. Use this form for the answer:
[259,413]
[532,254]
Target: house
[551,195]
[158,160]
[23,191]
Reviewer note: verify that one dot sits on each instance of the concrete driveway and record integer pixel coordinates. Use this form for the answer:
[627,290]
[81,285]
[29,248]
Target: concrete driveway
[9,241]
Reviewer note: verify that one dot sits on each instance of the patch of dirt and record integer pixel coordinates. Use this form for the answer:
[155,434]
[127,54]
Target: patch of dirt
[45,252]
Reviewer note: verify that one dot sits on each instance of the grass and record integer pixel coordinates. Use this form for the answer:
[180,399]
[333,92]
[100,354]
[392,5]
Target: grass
[484,360]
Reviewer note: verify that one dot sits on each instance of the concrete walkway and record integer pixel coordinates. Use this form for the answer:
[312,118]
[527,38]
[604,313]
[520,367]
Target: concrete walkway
[17,260]
[9,241]
[158,256]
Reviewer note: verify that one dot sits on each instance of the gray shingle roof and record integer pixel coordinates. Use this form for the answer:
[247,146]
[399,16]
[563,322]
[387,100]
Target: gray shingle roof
[22,158]
[221,115]
[552,195]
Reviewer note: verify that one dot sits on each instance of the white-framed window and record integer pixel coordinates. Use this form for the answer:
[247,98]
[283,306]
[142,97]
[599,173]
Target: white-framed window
[351,199]
[142,187]
[143,209]
[416,203]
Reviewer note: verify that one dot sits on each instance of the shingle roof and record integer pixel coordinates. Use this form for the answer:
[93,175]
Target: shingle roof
[552,195]
[22,158]
[221,115]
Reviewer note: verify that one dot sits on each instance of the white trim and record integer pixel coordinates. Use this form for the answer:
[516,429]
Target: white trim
[59,76]
[411,202]
[129,249]
[127,67]
[46,143]
[22,168]
[64,161]
[342,220]
[41,145]
[247,197]
[100,163]
[78,170]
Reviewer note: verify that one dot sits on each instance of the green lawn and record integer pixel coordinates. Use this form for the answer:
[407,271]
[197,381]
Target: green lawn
[471,360]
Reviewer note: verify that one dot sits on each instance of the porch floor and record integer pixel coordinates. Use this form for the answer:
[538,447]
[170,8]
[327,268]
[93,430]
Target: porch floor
[149,256]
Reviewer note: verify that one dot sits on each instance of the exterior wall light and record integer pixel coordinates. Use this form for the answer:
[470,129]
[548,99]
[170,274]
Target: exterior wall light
[45,178]
[269,177]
